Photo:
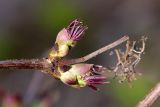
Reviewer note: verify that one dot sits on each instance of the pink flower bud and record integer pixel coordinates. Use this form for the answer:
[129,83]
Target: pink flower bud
[66,39]
[74,32]
[81,75]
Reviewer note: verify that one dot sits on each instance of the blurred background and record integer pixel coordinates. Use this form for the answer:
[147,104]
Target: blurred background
[28,29]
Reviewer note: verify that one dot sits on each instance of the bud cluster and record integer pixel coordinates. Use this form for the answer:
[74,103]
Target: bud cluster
[79,74]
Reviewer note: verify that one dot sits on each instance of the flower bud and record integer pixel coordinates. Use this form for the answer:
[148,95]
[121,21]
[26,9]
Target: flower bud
[67,38]
[81,75]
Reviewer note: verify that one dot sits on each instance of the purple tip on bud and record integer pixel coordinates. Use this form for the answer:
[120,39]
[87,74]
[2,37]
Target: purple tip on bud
[96,77]
[76,30]
[95,80]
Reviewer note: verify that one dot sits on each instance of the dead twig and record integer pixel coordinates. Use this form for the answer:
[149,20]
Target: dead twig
[151,97]
[128,60]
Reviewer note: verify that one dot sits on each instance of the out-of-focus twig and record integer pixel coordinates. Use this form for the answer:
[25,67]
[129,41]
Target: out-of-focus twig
[33,89]
[151,97]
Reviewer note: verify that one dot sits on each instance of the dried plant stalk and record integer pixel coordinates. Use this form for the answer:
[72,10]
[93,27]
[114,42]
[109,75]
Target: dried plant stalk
[128,60]
[151,97]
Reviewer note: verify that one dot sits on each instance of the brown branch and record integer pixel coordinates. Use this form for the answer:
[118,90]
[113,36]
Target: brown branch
[95,53]
[37,64]
[43,64]
[151,97]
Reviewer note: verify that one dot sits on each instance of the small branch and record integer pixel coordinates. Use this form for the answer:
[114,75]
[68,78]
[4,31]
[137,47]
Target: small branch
[43,64]
[36,64]
[97,52]
[151,97]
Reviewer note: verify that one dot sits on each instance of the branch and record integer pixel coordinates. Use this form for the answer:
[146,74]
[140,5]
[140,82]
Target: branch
[36,64]
[95,53]
[151,97]
[43,64]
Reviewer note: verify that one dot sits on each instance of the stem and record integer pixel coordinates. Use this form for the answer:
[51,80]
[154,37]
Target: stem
[151,97]
[95,53]
[43,64]
[38,64]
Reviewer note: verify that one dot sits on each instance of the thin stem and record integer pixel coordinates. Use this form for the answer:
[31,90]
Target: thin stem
[97,52]
[38,64]
[151,97]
